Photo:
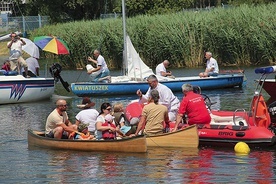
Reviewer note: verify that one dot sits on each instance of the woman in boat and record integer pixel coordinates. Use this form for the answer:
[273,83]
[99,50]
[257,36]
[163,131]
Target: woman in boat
[105,129]
[154,116]
[194,106]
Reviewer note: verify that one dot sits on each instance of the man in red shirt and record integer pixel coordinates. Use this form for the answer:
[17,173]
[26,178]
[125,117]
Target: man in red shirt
[194,106]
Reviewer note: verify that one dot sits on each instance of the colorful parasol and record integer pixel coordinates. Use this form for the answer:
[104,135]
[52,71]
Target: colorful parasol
[52,44]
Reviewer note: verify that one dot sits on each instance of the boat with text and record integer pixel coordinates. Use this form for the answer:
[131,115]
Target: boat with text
[15,88]
[136,76]
[254,127]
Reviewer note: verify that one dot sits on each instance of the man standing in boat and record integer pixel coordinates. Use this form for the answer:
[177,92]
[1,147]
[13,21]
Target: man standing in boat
[194,106]
[17,61]
[167,97]
[100,73]
[57,124]
[212,68]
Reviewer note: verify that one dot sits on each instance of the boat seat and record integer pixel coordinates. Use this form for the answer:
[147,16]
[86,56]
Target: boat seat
[227,120]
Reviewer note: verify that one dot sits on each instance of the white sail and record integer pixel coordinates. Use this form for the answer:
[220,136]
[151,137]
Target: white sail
[137,69]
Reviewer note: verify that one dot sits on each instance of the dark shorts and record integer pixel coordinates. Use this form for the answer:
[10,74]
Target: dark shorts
[212,74]
[51,135]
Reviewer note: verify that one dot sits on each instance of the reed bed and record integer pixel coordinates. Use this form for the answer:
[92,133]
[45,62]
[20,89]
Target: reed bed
[243,35]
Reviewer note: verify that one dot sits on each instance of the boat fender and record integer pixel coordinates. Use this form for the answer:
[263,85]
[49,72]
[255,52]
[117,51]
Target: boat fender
[265,70]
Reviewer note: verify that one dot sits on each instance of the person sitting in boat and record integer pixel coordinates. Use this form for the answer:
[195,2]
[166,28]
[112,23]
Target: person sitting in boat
[57,123]
[161,69]
[82,134]
[88,114]
[193,105]
[33,67]
[6,66]
[154,116]
[105,126]
[16,59]
[212,68]
[120,119]
[101,72]
[167,97]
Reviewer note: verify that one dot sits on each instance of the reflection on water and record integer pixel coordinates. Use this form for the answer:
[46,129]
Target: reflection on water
[19,164]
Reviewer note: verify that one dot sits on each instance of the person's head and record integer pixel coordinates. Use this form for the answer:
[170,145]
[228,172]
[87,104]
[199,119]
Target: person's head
[166,63]
[118,107]
[152,81]
[7,62]
[154,96]
[83,127]
[87,102]
[96,53]
[106,108]
[208,55]
[13,35]
[61,105]
[186,88]
[109,118]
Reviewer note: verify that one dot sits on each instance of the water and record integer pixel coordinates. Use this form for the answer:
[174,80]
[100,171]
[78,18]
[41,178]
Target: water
[19,164]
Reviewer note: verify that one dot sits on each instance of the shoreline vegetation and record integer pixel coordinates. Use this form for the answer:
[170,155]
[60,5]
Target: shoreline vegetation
[239,36]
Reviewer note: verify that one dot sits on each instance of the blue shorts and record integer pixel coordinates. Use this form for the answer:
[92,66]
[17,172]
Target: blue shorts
[212,74]
[105,73]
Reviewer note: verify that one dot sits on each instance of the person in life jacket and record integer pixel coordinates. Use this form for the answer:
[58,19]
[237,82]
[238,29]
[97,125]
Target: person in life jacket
[82,134]
[105,129]
[120,119]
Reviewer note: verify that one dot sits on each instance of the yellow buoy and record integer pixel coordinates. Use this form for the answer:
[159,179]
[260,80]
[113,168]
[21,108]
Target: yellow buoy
[242,148]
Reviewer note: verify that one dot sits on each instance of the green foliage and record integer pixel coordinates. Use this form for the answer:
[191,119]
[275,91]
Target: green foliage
[236,36]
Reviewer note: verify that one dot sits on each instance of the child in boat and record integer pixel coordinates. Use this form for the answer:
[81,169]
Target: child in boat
[6,66]
[121,120]
[82,134]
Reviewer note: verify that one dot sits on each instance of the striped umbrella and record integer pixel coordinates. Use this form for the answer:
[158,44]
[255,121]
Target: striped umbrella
[52,44]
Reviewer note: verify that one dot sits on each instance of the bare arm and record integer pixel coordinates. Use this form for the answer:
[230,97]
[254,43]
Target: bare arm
[92,60]
[178,120]
[141,125]
[94,70]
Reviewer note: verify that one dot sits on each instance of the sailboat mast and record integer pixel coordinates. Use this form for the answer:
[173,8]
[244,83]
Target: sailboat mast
[125,45]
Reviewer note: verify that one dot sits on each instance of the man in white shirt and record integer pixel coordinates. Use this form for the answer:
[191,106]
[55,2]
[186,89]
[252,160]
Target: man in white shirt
[15,46]
[212,68]
[33,67]
[100,73]
[167,97]
[161,69]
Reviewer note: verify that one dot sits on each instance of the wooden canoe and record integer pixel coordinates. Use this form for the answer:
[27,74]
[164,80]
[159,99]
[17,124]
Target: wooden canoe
[184,138]
[134,145]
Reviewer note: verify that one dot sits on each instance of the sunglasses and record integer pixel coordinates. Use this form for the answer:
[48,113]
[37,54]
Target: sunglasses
[109,109]
[63,105]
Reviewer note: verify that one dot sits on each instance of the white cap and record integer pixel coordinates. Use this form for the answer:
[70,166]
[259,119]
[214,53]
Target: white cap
[89,67]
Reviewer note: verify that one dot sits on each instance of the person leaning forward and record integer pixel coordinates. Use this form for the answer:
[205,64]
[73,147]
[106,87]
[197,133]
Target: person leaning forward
[154,115]
[57,124]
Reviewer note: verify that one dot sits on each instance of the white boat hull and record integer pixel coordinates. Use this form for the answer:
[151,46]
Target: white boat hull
[18,89]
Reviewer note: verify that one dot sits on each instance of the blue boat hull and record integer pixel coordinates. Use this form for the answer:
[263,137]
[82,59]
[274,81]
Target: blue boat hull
[130,87]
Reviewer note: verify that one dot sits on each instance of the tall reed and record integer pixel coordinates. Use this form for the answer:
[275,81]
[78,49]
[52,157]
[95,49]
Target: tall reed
[244,35]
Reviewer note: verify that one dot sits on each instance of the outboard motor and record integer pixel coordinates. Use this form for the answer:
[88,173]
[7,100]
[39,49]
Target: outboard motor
[272,113]
[55,71]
